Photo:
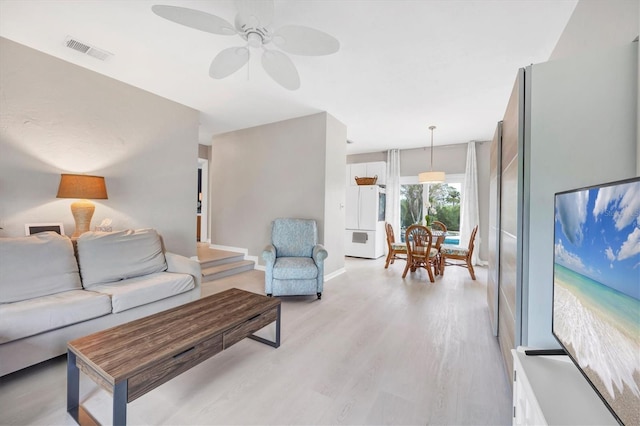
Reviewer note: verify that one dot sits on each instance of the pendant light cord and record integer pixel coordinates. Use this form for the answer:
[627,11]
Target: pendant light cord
[431,128]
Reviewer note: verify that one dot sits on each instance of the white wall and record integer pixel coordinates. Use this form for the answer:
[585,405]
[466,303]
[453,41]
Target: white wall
[283,169]
[58,118]
[335,194]
[583,132]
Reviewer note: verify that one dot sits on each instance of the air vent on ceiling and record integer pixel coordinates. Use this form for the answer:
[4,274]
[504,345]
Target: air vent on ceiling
[87,49]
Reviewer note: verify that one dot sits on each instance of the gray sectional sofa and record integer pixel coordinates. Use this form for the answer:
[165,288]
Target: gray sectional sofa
[51,292]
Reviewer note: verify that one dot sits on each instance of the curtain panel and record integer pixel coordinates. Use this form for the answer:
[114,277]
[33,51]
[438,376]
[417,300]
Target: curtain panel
[393,190]
[469,209]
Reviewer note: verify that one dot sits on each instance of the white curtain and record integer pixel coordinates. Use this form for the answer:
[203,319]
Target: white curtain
[393,191]
[469,210]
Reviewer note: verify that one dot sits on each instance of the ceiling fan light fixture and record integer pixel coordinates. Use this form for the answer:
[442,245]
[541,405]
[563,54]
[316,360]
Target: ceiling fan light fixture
[254,39]
[253,24]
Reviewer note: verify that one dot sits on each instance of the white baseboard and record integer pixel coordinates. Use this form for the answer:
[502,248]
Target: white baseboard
[255,262]
[334,274]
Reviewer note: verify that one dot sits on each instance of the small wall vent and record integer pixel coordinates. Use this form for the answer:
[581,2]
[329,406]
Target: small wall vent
[87,49]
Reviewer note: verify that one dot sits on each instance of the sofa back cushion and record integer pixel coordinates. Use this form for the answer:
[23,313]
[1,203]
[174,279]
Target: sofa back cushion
[112,256]
[35,266]
[294,237]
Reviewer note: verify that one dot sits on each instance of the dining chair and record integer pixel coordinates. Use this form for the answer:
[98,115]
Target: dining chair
[462,255]
[420,251]
[393,249]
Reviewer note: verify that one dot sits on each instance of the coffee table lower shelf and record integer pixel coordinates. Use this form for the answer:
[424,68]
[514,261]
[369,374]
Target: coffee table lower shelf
[220,332]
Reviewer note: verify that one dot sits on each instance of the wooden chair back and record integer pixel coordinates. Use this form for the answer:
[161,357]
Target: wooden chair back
[441,228]
[419,250]
[393,248]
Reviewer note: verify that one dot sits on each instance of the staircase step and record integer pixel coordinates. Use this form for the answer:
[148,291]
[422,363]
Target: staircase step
[231,257]
[226,269]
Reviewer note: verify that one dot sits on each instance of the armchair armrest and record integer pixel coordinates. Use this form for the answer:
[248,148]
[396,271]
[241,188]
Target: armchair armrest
[184,265]
[269,254]
[319,253]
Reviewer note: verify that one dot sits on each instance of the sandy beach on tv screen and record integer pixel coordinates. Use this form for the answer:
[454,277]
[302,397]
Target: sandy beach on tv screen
[609,355]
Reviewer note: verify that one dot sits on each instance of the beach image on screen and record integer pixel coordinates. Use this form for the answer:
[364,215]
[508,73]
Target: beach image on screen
[596,292]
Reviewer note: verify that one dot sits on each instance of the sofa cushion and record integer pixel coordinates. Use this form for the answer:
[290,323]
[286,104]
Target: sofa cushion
[127,294]
[452,250]
[294,237]
[29,317]
[112,256]
[37,265]
[302,268]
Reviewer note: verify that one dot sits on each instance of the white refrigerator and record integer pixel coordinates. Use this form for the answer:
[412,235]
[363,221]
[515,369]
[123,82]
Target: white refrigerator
[365,216]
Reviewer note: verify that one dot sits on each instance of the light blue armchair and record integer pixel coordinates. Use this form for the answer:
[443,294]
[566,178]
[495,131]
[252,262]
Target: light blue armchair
[294,259]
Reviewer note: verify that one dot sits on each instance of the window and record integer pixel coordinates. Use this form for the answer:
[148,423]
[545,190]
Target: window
[444,200]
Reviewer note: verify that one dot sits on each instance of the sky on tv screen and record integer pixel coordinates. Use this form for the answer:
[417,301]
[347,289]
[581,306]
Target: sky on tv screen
[597,234]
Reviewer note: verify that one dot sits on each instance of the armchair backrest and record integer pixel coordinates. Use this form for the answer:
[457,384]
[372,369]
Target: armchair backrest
[294,237]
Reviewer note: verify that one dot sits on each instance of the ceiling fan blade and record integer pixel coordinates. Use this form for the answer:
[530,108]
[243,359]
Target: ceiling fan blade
[254,13]
[228,61]
[194,19]
[281,69]
[307,41]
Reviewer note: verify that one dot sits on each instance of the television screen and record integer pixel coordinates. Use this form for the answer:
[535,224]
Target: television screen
[596,290]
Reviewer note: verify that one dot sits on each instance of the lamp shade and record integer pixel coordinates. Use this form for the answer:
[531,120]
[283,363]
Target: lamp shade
[82,186]
[431,177]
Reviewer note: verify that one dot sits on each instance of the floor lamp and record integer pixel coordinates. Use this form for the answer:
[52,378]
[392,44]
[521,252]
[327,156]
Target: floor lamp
[84,187]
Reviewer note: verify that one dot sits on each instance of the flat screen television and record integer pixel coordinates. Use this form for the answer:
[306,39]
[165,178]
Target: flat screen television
[596,290]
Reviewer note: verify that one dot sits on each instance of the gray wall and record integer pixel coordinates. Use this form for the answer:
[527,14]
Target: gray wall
[452,159]
[292,168]
[583,132]
[58,118]
[335,177]
[597,24]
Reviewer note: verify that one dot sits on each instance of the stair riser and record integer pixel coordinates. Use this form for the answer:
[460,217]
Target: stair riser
[218,262]
[227,273]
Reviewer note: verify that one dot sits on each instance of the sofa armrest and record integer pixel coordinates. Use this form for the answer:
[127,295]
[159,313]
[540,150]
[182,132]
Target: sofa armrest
[184,265]
[319,253]
[269,254]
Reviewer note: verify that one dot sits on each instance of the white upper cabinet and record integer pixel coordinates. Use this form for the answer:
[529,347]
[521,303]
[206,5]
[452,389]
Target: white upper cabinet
[377,168]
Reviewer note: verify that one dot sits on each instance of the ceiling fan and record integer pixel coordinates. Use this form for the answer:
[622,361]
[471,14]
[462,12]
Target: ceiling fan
[253,23]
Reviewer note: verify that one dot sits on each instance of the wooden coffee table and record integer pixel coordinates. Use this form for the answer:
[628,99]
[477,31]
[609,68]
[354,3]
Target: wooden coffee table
[134,358]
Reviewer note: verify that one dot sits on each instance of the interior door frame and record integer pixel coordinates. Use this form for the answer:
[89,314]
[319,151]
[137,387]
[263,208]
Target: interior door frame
[203,164]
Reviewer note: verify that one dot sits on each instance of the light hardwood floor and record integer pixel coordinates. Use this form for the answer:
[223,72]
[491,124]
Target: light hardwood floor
[376,349]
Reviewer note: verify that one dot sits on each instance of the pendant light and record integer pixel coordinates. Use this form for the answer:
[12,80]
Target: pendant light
[431,176]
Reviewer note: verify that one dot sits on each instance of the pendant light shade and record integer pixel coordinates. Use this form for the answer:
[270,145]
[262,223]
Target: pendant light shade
[431,176]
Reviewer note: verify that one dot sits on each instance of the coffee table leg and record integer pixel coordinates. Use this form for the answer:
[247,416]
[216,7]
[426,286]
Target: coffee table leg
[73,386]
[278,328]
[275,344]
[120,403]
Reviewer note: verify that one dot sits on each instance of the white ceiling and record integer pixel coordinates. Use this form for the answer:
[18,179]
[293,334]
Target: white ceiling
[402,66]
